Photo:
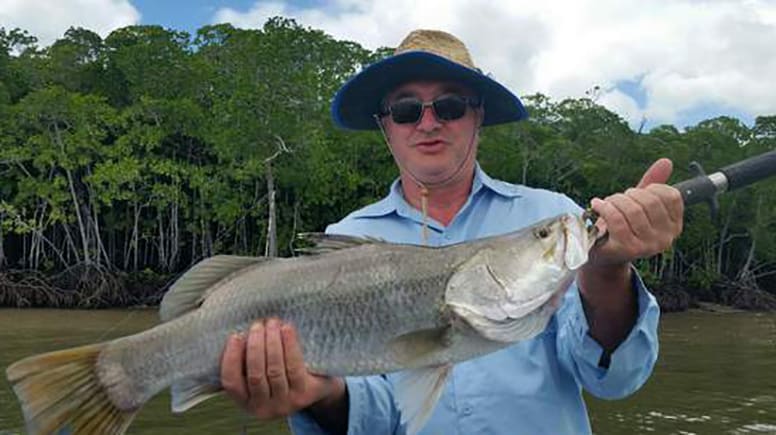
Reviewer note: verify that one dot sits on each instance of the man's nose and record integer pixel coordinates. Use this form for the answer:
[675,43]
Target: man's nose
[428,120]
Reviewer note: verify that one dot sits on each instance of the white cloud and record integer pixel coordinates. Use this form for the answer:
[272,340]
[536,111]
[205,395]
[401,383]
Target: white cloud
[48,20]
[622,104]
[687,53]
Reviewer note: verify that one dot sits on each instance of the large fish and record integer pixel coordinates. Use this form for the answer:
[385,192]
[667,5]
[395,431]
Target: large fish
[360,306]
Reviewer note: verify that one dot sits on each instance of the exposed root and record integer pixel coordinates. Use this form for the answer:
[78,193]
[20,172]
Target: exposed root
[79,286]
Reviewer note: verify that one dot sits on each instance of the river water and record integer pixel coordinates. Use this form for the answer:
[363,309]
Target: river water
[716,375]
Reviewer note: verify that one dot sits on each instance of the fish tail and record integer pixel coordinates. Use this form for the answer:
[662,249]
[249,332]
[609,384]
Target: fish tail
[60,392]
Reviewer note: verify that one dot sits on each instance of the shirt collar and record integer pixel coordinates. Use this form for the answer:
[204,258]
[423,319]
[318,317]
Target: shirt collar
[394,202]
[481,179]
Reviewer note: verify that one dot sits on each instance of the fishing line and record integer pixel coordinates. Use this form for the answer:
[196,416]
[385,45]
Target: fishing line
[121,322]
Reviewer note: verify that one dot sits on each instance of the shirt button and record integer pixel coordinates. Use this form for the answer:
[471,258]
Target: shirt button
[446,236]
[467,410]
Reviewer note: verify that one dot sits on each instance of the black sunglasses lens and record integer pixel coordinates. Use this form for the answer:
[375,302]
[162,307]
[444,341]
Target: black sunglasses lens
[450,107]
[446,108]
[406,111]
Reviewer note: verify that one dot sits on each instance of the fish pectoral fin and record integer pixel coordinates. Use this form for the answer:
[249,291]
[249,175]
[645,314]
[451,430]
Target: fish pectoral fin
[196,285]
[417,393]
[188,393]
[412,347]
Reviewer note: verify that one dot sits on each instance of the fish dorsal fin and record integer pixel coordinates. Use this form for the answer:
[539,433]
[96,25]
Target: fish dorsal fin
[417,393]
[191,289]
[323,243]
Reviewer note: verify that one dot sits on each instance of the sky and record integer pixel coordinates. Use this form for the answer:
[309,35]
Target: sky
[656,61]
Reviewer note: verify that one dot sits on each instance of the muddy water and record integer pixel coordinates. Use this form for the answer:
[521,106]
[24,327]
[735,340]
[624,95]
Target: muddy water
[716,375]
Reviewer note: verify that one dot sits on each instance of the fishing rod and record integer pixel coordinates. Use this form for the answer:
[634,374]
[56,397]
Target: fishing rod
[706,188]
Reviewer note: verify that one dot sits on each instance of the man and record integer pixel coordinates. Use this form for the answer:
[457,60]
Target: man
[430,102]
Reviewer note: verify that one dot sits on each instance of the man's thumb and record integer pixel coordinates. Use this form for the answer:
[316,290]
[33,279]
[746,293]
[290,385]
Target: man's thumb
[659,172]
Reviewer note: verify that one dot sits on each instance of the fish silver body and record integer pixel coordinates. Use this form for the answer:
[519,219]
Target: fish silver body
[361,307]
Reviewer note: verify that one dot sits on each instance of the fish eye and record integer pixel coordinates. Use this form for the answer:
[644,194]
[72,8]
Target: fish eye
[542,233]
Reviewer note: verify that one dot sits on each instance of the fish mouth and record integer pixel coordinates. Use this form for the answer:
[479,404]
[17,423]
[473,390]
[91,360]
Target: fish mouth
[576,241]
[589,217]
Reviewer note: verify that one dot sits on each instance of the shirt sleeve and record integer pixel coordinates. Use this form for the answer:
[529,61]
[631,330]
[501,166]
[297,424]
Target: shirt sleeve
[629,365]
[371,409]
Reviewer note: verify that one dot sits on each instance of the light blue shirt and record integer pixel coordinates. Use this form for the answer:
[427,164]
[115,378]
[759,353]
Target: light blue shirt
[531,387]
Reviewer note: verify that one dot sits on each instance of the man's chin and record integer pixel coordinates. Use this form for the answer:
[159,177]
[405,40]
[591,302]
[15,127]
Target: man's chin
[434,175]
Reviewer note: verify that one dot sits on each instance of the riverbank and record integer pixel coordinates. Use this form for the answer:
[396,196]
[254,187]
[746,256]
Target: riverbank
[731,296]
[94,287]
[82,287]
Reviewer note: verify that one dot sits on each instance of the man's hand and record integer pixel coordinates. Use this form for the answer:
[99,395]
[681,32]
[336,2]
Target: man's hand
[642,221]
[265,373]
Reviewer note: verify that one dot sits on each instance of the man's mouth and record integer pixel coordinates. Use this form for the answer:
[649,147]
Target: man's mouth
[429,143]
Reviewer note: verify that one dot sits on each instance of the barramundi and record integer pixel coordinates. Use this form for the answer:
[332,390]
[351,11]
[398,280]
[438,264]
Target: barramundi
[361,306]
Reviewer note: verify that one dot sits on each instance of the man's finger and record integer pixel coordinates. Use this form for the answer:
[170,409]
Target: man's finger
[255,356]
[651,204]
[233,369]
[659,173]
[276,367]
[663,230]
[671,199]
[295,368]
[637,221]
[614,221]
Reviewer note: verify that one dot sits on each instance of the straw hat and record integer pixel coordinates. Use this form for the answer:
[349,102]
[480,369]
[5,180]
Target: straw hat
[422,55]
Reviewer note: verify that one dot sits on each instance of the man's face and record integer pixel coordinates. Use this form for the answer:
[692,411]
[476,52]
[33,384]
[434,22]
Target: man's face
[433,149]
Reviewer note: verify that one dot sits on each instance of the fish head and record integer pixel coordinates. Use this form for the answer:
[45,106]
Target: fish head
[570,240]
[542,260]
[510,288]
[559,243]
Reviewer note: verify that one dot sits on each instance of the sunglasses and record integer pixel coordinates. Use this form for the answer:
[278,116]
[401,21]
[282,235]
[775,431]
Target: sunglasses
[408,110]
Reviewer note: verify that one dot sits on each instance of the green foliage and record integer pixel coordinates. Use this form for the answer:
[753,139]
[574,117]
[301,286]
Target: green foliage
[702,278]
[149,149]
